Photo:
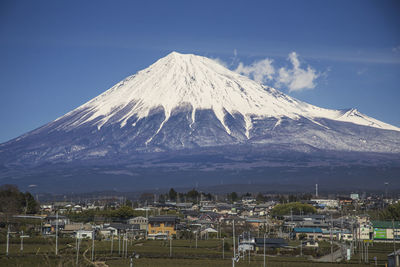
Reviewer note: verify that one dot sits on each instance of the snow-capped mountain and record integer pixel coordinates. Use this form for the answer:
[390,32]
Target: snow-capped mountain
[200,83]
[186,101]
[185,105]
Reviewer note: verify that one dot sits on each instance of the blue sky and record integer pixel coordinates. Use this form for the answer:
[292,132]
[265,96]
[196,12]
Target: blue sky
[56,55]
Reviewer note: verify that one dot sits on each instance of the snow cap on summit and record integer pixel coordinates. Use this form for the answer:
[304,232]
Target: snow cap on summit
[178,80]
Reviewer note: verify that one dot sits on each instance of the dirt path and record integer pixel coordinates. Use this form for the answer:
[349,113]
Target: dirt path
[333,258]
[95,263]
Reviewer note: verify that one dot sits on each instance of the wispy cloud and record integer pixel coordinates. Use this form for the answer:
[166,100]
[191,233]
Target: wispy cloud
[260,71]
[296,78]
[396,49]
[220,61]
[361,71]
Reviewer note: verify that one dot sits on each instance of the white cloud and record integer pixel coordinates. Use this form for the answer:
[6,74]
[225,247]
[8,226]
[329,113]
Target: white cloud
[235,52]
[361,71]
[221,62]
[396,49]
[260,71]
[296,79]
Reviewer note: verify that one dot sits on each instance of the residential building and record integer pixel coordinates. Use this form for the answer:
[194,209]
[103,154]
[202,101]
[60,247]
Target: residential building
[329,203]
[308,233]
[141,221]
[270,243]
[163,224]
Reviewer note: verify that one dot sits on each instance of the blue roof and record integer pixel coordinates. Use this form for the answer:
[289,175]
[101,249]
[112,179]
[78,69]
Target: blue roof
[255,220]
[307,230]
[327,231]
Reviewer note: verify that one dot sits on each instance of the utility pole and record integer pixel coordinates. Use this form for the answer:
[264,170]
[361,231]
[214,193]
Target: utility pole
[301,248]
[223,248]
[123,246]
[291,215]
[361,247]
[22,240]
[77,250]
[147,219]
[56,233]
[126,245]
[353,239]
[170,246]
[394,246]
[119,244]
[234,246]
[93,245]
[264,250]
[196,238]
[112,242]
[331,240]
[8,239]
[386,189]
[359,243]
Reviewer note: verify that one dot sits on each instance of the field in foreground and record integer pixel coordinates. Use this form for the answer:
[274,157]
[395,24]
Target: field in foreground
[41,252]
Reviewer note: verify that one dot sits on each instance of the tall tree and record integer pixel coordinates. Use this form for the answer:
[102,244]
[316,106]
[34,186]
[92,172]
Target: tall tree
[13,201]
[172,194]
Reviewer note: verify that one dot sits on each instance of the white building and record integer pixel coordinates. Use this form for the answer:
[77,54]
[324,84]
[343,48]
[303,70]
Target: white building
[142,221]
[329,203]
[363,232]
[84,234]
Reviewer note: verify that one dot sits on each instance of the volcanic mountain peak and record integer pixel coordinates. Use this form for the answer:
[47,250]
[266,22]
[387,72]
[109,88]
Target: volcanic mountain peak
[179,80]
[187,117]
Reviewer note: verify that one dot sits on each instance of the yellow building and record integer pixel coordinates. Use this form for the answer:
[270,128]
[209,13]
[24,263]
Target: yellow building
[162,225]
